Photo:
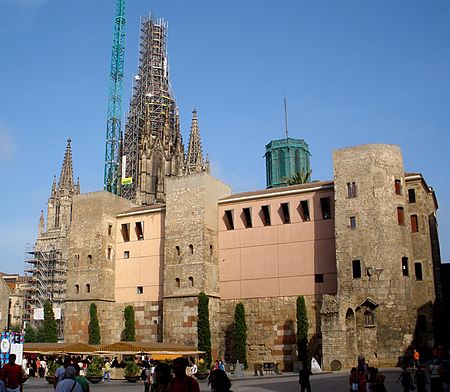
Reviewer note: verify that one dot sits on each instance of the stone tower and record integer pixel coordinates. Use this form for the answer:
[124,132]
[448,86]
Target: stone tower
[285,157]
[91,266]
[153,147]
[191,255]
[48,259]
[374,312]
[194,157]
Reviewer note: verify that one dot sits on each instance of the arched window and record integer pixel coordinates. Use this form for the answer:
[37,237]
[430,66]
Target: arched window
[77,289]
[191,281]
[177,248]
[177,283]
[191,248]
[369,319]
[88,288]
[89,259]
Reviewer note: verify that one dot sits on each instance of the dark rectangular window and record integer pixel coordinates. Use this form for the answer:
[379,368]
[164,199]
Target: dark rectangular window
[265,215]
[318,278]
[356,269]
[304,205]
[414,224]
[109,229]
[285,213]
[326,208]
[412,195]
[125,230]
[228,218]
[247,217]
[139,229]
[405,267]
[140,290]
[398,187]
[109,253]
[401,216]
[351,189]
[126,254]
[418,271]
[352,222]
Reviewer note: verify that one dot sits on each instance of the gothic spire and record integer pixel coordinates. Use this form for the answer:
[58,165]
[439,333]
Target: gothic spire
[66,177]
[194,156]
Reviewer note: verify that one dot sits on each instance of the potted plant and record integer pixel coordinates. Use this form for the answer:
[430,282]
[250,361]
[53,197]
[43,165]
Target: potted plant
[132,371]
[51,369]
[202,369]
[95,370]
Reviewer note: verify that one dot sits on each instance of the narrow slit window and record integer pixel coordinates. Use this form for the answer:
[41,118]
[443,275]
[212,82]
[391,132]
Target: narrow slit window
[109,229]
[265,215]
[412,195]
[140,290]
[247,217]
[414,224]
[177,283]
[228,218]
[356,269]
[191,281]
[126,254]
[125,230]
[304,205]
[285,213]
[405,267]
[77,289]
[109,253]
[353,222]
[351,189]
[88,288]
[318,278]
[418,271]
[325,207]
[211,250]
[139,229]
[398,187]
[400,216]
[191,249]
[177,249]
[89,259]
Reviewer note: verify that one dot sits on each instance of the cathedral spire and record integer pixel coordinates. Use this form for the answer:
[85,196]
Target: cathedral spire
[194,156]
[66,177]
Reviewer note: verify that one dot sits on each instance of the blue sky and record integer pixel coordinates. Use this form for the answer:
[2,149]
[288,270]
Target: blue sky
[353,72]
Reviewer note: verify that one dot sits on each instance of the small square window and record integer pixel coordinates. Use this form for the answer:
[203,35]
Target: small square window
[140,290]
[126,254]
[318,278]
[353,222]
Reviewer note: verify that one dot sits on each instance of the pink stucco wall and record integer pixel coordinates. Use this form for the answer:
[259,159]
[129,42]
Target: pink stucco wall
[282,259]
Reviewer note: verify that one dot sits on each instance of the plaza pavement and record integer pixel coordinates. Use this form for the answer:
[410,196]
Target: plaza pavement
[287,382]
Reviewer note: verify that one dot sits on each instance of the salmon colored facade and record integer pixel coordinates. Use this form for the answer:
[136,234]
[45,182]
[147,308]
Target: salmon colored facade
[277,257]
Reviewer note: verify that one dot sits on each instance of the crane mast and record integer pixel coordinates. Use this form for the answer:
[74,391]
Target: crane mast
[114,122]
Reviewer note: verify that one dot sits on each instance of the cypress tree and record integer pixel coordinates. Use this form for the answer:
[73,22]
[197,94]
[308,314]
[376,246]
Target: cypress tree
[94,327]
[302,329]
[50,328]
[129,334]
[30,334]
[240,330]
[203,327]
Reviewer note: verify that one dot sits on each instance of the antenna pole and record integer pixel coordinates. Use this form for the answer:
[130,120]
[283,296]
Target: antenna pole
[286,119]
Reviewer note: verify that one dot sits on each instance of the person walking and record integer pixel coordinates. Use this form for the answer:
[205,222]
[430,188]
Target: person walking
[420,379]
[219,381]
[107,370]
[303,378]
[12,375]
[406,379]
[161,379]
[69,384]
[181,382]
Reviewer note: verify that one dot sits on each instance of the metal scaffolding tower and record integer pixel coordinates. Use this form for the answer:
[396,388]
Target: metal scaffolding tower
[153,111]
[113,129]
[45,273]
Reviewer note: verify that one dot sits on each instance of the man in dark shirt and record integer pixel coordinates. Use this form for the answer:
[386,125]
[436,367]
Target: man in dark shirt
[181,382]
[12,375]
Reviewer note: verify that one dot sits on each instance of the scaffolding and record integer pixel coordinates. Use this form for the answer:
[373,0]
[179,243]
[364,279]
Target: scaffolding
[153,112]
[45,273]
